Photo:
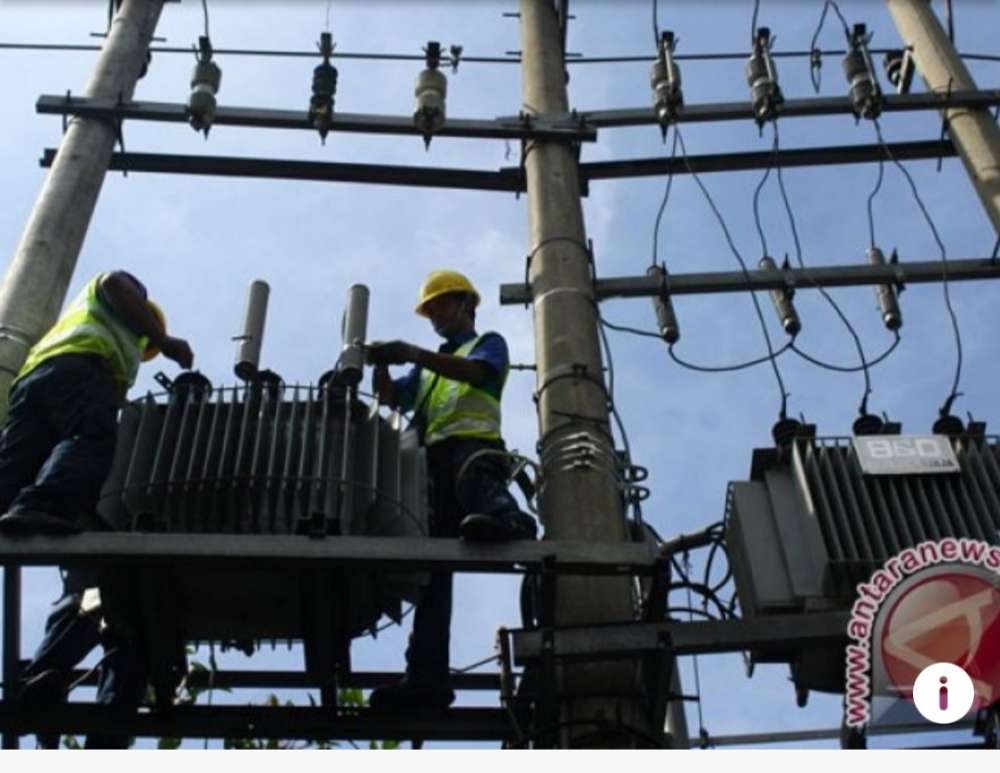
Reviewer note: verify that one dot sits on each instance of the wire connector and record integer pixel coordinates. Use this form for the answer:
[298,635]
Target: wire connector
[782,300]
[866,94]
[430,93]
[665,80]
[762,77]
[885,294]
[205,82]
[324,89]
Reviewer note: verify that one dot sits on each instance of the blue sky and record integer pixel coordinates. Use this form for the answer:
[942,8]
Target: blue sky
[198,241]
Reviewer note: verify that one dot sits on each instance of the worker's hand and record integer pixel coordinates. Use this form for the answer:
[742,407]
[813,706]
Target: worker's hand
[391,352]
[177,349]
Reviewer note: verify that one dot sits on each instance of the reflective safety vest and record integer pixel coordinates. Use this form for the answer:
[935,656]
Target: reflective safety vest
[88,327]
[451,408]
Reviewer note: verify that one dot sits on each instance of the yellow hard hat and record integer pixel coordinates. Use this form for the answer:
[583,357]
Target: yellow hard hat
[443,282]
[151,351]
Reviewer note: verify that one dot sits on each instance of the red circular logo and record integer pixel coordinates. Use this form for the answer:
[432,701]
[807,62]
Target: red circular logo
[951,617]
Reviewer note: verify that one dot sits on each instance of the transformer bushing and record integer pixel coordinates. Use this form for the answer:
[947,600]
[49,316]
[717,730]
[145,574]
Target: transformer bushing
[430,93]
[205,81]
[885,294]
[866,95]
[324,88]
[354,330]
[666,318]
[782,300]
[762,77]
[247,364]
[665,81]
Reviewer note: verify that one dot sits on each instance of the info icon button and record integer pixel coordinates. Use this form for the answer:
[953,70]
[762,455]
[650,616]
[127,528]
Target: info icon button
[943,693]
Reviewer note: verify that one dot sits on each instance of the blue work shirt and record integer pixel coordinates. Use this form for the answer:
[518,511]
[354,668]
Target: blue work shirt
[492,350]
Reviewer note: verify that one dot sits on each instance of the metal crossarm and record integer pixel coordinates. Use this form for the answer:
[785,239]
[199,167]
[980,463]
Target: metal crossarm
[301,553]
[550,127]
[908,272]
[254,722]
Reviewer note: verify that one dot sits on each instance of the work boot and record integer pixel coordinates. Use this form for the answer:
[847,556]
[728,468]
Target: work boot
[29,522]
[513,525]
[412,694]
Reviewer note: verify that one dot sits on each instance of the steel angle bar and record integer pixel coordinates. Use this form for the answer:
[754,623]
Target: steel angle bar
[11,643]
[302,552]
[509,181]
[554,127]
[832,733]
[908,272]
[741,162]
[790,108]
[299,680]
[703,637]
[282,722]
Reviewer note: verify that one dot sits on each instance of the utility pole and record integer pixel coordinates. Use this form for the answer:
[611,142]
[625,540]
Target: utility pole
[581,498]
[38,275]
[973,130]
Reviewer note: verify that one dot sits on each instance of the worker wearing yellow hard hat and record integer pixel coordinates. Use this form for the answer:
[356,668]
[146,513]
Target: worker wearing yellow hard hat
[454,395]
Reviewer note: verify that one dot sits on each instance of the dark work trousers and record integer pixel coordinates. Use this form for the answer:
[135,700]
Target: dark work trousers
[482,489]
[69,638]
[56,448]
[58,441]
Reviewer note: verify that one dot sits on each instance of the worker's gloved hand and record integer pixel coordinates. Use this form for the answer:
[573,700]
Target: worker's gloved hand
[391,352]
[177,349]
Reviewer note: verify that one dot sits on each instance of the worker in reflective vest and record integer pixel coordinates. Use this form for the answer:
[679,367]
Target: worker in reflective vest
[56,449]
[57,443]
[454,394]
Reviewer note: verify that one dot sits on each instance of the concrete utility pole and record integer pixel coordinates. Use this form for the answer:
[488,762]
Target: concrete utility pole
[974,132]
[35,284]
[581,499]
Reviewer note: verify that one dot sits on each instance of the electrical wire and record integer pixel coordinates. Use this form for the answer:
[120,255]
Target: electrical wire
[770,357]
[204,7]
[663,205]
[634,502]
[756,198]
[474,666]
[656,25]
[742,263]
[871,201]
[753,21]
[374,56]
[850,369]
[816,56]
[329,4]
[954,394]
[863,408]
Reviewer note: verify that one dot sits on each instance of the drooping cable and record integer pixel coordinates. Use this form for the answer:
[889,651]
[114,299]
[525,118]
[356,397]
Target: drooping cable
[753,19]
[613,408]
[739,258]
[656,24]
[815,54]
[663,204]
[954,394]
[863,408]
[850,368]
